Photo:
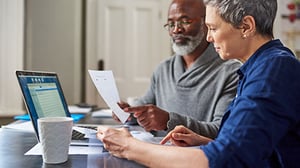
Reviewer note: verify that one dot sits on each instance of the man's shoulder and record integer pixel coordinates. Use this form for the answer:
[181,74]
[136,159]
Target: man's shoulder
[167,61]
[170,59]
[226,67]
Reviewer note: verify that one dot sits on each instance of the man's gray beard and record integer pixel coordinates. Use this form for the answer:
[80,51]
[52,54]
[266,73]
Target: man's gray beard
[191,45]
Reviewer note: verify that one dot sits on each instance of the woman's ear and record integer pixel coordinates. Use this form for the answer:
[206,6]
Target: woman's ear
[248,26]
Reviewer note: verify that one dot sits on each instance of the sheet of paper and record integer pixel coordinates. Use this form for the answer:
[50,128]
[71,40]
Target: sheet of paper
[73,150]
[96,148]
[106,86]
[22,126]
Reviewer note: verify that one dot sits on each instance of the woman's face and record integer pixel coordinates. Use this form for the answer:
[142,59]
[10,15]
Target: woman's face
[227,40]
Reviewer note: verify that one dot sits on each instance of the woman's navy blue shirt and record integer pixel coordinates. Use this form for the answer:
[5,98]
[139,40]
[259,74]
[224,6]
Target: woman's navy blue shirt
[261,127]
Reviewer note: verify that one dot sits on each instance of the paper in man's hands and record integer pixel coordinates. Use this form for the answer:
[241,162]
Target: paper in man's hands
[106,86]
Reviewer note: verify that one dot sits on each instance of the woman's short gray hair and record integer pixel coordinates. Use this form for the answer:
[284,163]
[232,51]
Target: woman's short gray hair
[233,11]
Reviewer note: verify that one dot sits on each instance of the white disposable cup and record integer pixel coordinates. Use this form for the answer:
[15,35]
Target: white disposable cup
[55,135]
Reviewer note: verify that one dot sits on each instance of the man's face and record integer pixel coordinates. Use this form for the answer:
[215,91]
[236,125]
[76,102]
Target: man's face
[189,44]
[186,26]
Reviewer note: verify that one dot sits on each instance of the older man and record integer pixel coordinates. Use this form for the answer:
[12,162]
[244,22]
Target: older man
[192,88]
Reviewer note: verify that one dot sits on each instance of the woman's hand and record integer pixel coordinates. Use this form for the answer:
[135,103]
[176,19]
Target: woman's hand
[115,140]
[182,136]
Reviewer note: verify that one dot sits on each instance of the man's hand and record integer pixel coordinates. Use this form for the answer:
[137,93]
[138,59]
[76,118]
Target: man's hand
[182,136]
[150,117]
[122,106]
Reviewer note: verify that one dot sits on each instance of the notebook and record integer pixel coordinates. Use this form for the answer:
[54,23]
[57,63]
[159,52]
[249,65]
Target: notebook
[43,96]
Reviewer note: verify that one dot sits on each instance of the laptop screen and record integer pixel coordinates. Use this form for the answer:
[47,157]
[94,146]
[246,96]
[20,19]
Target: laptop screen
[43,95]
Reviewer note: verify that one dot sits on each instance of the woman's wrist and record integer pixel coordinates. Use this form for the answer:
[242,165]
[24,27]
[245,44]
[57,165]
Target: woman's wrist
[131,143]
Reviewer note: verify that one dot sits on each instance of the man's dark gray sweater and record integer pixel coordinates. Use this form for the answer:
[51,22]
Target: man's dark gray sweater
[197,97]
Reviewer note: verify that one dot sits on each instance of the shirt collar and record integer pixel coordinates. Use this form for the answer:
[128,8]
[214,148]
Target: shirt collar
[252,60]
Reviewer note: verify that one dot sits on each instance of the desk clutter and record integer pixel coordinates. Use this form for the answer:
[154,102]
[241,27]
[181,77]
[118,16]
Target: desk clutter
[78,112]
[15,147]
[26,117]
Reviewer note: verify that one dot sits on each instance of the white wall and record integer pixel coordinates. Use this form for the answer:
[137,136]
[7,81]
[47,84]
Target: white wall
[126,35]
[11,55]
[53,42]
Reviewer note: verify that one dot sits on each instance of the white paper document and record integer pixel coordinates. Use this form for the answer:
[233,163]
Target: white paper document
[106,86]
[97,148]
[73,150]
[22,126]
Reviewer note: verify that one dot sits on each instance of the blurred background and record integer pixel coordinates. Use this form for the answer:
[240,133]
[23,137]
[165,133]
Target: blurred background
[71,36]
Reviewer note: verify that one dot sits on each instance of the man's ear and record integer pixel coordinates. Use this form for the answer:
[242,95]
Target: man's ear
[248,26]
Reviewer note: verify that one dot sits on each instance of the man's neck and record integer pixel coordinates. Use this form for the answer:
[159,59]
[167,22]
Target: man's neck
[189,59]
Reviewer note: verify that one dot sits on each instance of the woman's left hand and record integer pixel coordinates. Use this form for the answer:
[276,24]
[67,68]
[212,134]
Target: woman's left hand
[182,136]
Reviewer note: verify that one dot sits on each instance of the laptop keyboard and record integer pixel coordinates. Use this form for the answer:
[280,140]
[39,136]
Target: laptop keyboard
[76,135]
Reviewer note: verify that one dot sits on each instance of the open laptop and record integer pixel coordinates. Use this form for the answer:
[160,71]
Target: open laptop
[43,96]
